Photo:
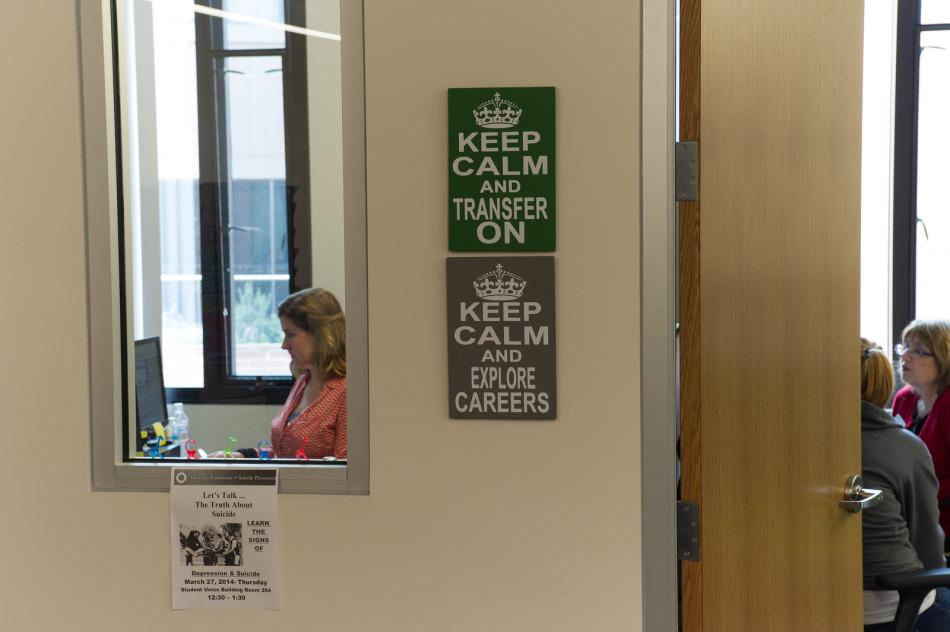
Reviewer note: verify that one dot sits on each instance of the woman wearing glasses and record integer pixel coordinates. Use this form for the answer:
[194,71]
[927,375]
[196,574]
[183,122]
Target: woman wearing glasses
[901,534]
[924,403]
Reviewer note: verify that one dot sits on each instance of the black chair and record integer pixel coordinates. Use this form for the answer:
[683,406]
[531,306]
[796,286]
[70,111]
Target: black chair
[913,587]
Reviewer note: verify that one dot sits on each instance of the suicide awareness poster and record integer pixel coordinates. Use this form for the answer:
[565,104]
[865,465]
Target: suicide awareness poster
[501,338]
[502,169]
[224,538]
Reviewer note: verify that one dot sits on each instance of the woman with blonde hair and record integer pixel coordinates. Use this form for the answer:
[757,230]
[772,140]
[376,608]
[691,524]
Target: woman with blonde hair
[924,403]
[902,533]
[312,422]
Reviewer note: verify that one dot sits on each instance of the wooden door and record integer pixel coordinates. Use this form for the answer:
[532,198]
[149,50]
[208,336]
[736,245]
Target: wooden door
[769,279]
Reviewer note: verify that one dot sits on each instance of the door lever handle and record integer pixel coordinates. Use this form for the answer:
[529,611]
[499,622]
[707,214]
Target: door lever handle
[869,498]
[857,498]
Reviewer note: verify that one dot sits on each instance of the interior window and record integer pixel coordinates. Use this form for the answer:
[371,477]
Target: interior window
[230,131]
[218,183]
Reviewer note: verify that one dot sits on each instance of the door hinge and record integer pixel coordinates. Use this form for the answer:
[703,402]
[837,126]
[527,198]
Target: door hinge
[687,530]
[687,171]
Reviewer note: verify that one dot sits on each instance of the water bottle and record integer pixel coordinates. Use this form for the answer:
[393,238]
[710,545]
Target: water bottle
[171,428]
[179,421]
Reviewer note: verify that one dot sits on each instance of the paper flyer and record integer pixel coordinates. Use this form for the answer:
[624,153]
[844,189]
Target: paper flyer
[224,538]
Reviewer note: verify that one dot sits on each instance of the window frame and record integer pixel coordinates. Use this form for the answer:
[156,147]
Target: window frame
[904,252]
[221,385]
[109,342]
[906,111]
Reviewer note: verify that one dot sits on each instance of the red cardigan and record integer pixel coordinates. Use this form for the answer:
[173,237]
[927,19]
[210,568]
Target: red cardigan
[936,434]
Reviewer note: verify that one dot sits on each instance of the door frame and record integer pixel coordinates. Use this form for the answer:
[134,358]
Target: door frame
[658,315]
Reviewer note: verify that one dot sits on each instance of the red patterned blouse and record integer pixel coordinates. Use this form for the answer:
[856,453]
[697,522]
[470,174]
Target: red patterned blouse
[320,429]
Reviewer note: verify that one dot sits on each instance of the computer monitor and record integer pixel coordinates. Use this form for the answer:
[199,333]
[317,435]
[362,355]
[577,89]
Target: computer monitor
[149,383]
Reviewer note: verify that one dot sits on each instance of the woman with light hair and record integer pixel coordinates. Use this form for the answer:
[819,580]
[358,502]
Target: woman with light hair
[312,422]
[902,533]
[924,403]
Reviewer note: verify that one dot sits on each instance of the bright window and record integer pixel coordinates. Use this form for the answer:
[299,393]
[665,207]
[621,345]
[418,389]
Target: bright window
[876,192]
[921,216]
[224,177]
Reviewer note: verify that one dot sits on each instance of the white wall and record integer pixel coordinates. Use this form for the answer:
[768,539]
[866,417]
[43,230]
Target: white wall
[471,525]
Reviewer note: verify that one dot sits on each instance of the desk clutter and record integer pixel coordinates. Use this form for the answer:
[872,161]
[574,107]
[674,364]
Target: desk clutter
[171,438]
[159,441]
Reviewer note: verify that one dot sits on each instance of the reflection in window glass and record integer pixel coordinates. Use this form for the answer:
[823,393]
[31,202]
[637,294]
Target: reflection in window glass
[933,137]
[253,24]
[158,175]
[934,12]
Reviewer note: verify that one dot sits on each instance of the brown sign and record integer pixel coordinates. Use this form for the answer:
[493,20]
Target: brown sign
[501,335]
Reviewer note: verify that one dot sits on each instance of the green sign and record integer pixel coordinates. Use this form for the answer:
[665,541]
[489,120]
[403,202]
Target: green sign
[501,169]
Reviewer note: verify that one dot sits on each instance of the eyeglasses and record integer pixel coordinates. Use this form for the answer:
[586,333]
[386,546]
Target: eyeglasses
[900,350]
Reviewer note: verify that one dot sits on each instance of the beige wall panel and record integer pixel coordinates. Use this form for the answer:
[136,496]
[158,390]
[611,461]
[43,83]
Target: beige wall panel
[471,525]
[781,115]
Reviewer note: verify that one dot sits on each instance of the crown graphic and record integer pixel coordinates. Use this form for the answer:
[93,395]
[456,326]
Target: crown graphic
[497,113]
[499,285]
